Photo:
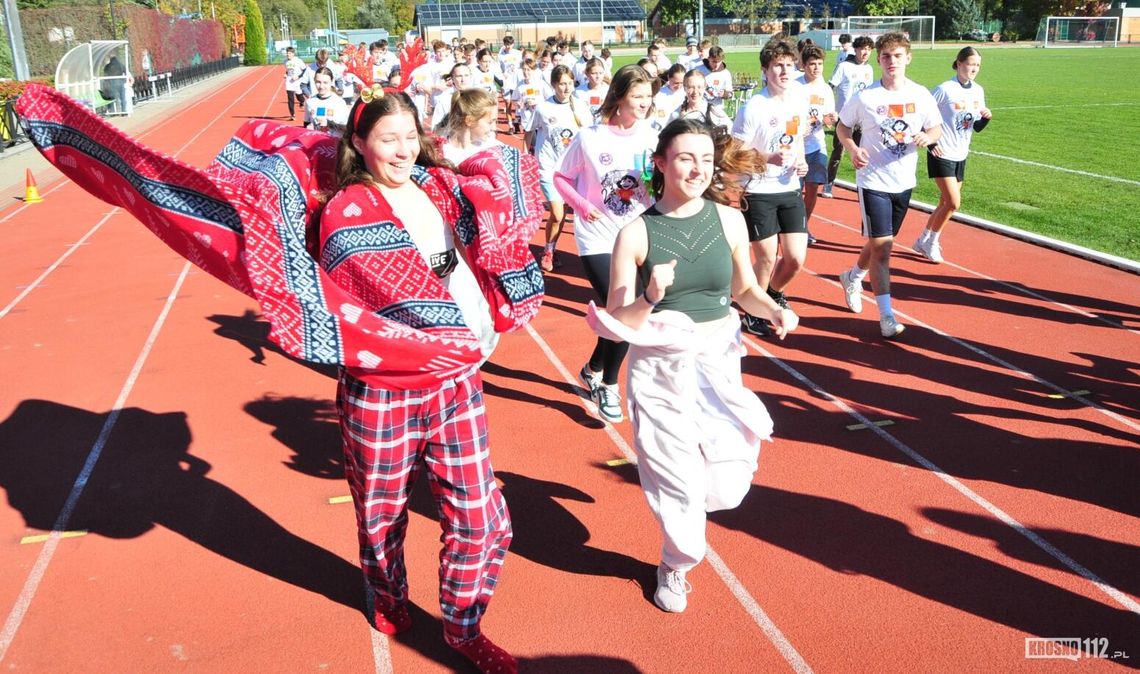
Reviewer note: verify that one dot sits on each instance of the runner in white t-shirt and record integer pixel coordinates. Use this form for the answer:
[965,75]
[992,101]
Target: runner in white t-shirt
[555,123]
[845,50]
[962,104]
[695,105]
[897,116]
[670,97]
[604,177]
[459,79]
[774,122]
[470,124]
[533,89]
[692,56]
[583,63]
[593,91]
[821,114]
[325,110]
[718,83]
[850,78]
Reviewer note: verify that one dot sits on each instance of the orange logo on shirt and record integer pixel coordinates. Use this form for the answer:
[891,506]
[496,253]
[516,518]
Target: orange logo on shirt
[910,108]
[817,100]
[894,111]
[792,126]
[595,100]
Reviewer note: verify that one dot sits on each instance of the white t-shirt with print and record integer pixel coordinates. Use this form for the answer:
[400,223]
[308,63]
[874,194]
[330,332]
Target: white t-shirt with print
[821,102]
[509,63]
[665,103]
[592,97]
[718,86]
[608,168]
[849,79]
[959,107]
[555,125]
[484,80]
[772,125]
[535,90]
[889,120]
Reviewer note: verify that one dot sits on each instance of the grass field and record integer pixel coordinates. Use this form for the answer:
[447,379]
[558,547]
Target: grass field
[1068,110]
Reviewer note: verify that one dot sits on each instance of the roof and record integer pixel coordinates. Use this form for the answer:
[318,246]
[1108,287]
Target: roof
[536,11]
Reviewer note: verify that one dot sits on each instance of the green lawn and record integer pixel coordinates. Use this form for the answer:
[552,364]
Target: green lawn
[1075,109]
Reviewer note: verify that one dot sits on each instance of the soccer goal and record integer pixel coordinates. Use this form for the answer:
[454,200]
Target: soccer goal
[920,29]
[1078,31]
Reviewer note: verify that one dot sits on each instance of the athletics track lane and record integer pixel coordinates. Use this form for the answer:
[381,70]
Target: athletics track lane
[214,547]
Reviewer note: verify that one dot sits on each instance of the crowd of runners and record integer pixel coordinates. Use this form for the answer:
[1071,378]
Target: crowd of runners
[420,257]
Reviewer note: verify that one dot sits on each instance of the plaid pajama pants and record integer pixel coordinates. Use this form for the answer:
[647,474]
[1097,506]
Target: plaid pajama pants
[388,437]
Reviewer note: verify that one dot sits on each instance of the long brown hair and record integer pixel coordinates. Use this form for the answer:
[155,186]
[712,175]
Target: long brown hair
[350,168]
[730,156]
[624,80]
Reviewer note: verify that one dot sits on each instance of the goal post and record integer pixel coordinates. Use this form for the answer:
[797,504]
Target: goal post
[920,29]
[1078,31]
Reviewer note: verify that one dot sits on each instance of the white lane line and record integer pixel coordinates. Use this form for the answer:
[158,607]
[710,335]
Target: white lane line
[24,600]
[72,248]
[1087,174]
[381,653]
[1118,596]
[1012,286]
[747,601]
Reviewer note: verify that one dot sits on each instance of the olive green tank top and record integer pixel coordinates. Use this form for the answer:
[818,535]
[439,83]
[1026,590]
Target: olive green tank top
[702,284]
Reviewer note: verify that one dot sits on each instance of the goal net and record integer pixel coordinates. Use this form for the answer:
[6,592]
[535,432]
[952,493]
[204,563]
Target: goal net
[920,29]
[1078,31]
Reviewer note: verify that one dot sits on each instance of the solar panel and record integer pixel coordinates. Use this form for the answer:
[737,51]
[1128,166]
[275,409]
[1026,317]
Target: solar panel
[538,11]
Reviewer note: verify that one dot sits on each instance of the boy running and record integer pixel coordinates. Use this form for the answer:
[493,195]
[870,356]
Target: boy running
[851,77]
[897,116]
[821,113]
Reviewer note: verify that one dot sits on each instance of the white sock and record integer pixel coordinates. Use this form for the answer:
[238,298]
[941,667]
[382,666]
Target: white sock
[922,238]
[858,274]
[884,302]
[932,237]
[548,247]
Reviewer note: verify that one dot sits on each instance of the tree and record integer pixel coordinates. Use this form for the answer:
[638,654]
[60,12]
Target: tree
[884,7]
[255,53]
[964,16]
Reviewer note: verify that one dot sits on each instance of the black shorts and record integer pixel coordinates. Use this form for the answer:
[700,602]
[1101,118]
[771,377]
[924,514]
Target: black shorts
[771,214]
[883,212]
[937,167]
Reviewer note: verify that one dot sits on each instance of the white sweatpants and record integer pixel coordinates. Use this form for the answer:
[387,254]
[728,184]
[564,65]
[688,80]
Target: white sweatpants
[695,453]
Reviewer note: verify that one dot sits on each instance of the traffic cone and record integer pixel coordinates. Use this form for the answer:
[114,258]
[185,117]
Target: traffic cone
[31,193]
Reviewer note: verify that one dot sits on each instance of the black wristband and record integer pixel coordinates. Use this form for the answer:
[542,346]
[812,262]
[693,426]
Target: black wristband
[645,296]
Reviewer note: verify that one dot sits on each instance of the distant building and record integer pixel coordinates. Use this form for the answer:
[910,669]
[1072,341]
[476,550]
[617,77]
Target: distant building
[608,21]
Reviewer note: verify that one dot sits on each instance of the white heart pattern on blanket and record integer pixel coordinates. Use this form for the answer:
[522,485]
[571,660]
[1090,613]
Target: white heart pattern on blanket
[68,160]
[368,359]
[350,312]
[278,141]
[352,210]
[259,130]
[203,239]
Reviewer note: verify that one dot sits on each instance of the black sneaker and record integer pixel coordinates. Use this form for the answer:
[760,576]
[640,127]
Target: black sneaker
[811,239]
[754,326]
[779,298]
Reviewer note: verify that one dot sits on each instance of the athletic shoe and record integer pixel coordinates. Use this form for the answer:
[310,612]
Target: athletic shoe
[609,403]
[934,251]
[590,380]
[826,192]
[487,657]
[671,590]
[779,298]
[392,621]
[852,292]
[811,239]
[754,326]
[546,262]
[890,327]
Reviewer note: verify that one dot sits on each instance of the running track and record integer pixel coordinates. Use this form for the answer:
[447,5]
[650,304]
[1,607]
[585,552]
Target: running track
[143,405]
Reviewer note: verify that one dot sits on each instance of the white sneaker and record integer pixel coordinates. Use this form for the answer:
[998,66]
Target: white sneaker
[931,250]
[852,292]
[609,403]
[890,327]
[826,192]
[671,590]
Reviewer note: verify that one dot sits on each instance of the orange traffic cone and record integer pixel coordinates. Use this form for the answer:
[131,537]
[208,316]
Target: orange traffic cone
[31,193]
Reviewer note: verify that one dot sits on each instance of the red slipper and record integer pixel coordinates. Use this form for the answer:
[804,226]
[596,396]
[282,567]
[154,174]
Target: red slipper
[489,658]
[393,621]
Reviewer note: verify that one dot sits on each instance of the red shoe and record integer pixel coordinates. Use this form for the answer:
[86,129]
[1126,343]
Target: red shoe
[393,621]
[547,261]
[488,658]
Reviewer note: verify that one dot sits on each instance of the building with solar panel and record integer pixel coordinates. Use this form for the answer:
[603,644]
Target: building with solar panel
[601,21]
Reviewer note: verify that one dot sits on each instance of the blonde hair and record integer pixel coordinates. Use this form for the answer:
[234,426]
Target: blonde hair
[468,105]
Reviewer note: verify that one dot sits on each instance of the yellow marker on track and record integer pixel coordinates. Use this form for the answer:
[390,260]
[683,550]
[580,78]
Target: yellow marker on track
[40,538]
[1062,396]
[859,427]
[614,463]
[340,499]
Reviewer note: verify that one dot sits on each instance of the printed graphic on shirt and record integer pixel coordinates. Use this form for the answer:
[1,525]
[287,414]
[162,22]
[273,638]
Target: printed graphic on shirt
[896,133]
[785,140]
[815,112]
[964,118]
[621,192]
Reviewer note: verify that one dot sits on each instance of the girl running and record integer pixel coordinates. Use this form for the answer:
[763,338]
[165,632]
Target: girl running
[697,428]
[604,178]
[963,106]
[533,89]
[470,124]
[324,107]
[593,91]
[696,105]
[555,123]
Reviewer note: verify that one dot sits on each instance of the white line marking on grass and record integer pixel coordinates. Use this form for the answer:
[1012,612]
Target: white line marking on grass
[1121,598]
[24,600]
[1071,105]
[750,605]
[1012,286]
[71,249]
[1114,179]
